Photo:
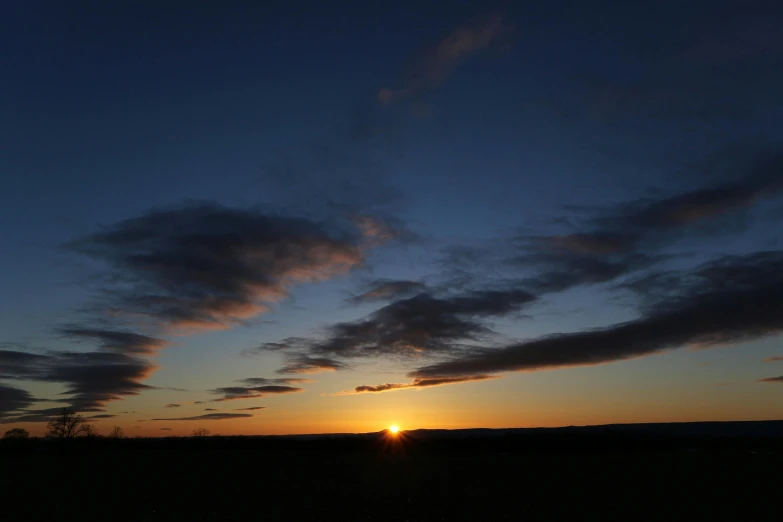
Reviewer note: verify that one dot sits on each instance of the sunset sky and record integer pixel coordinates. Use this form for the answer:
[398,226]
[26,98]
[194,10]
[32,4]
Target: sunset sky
[313,217]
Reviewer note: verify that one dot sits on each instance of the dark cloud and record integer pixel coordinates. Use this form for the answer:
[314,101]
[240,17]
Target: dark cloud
[254,408]
[210,416]
[733,299]
[210,409]
[421,324]
[162,429]
[208,266]
[172,405]
[777,358]
[233,393]
[40,415]
[21,365]
[431,67]
[101,416]
[259,381]
[115,340]
[256,387]
[91,379]
[306,364]
[627,238]
[773,379]
[417,383]
[13,400]
[382,290]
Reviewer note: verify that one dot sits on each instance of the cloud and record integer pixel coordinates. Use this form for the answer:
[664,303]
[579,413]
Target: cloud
[210,417]
[776,358]
[733,299]
[115,340]
[162,429]
[91,379]
[304,364]
[206,266]
[382,290]
[210,409]
[773,379]
[13,400]
[420,324]
[254,408]
[172,405]
[431,68]
[256,387]
[417,383]
[101,416]
[626,238]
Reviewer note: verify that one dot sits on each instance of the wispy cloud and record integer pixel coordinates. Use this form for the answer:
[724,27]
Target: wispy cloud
[257,387]
[417,383]
[13,400]
[304,364]
[421,324]
[254,408]
[91,379]
[773,379]
[210,417]
[777,358]
[431,68]
[730,300]
[118,341]
[381,290]
[172,405]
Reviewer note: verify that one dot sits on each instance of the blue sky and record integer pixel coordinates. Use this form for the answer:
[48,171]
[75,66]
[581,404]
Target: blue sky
[587,166]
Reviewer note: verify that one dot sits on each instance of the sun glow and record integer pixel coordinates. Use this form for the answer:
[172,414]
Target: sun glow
[394,428]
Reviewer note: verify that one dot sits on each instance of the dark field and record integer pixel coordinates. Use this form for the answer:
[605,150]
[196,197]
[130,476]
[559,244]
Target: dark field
[318,481]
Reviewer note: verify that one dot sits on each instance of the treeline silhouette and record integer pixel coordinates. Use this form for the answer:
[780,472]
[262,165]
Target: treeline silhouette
[67,433]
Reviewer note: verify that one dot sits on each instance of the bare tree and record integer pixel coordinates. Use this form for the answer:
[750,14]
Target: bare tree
[117,433]
[89,430]
[68,425]
[16,434]
[200,432]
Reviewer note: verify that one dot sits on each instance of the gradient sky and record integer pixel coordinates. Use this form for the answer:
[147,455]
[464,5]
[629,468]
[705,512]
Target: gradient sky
[287,217]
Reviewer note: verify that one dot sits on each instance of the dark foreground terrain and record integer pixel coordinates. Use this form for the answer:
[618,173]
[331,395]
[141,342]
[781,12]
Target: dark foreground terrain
[417,476]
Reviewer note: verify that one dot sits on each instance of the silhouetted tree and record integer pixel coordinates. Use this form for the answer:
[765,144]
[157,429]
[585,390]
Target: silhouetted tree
[16,434]
[68,425]
[89,430]
[117,433]
[200,432]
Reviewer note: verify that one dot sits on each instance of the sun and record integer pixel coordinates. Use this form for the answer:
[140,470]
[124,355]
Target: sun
[394,428]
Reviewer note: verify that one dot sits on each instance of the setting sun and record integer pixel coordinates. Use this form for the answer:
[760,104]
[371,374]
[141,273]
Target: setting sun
[394,428]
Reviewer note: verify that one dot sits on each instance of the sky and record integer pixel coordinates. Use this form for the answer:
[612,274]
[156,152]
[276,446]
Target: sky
[293,217]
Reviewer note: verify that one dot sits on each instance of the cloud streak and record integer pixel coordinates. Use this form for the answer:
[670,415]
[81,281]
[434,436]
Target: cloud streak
[431,68]
[91,379]
[257,387]
[210,417]
[13,400]
[388,290]
[417,383]
[116,341]
[424,323]
[730,300]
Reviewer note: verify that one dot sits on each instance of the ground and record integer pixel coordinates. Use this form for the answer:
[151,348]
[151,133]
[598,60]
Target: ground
[272,484]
